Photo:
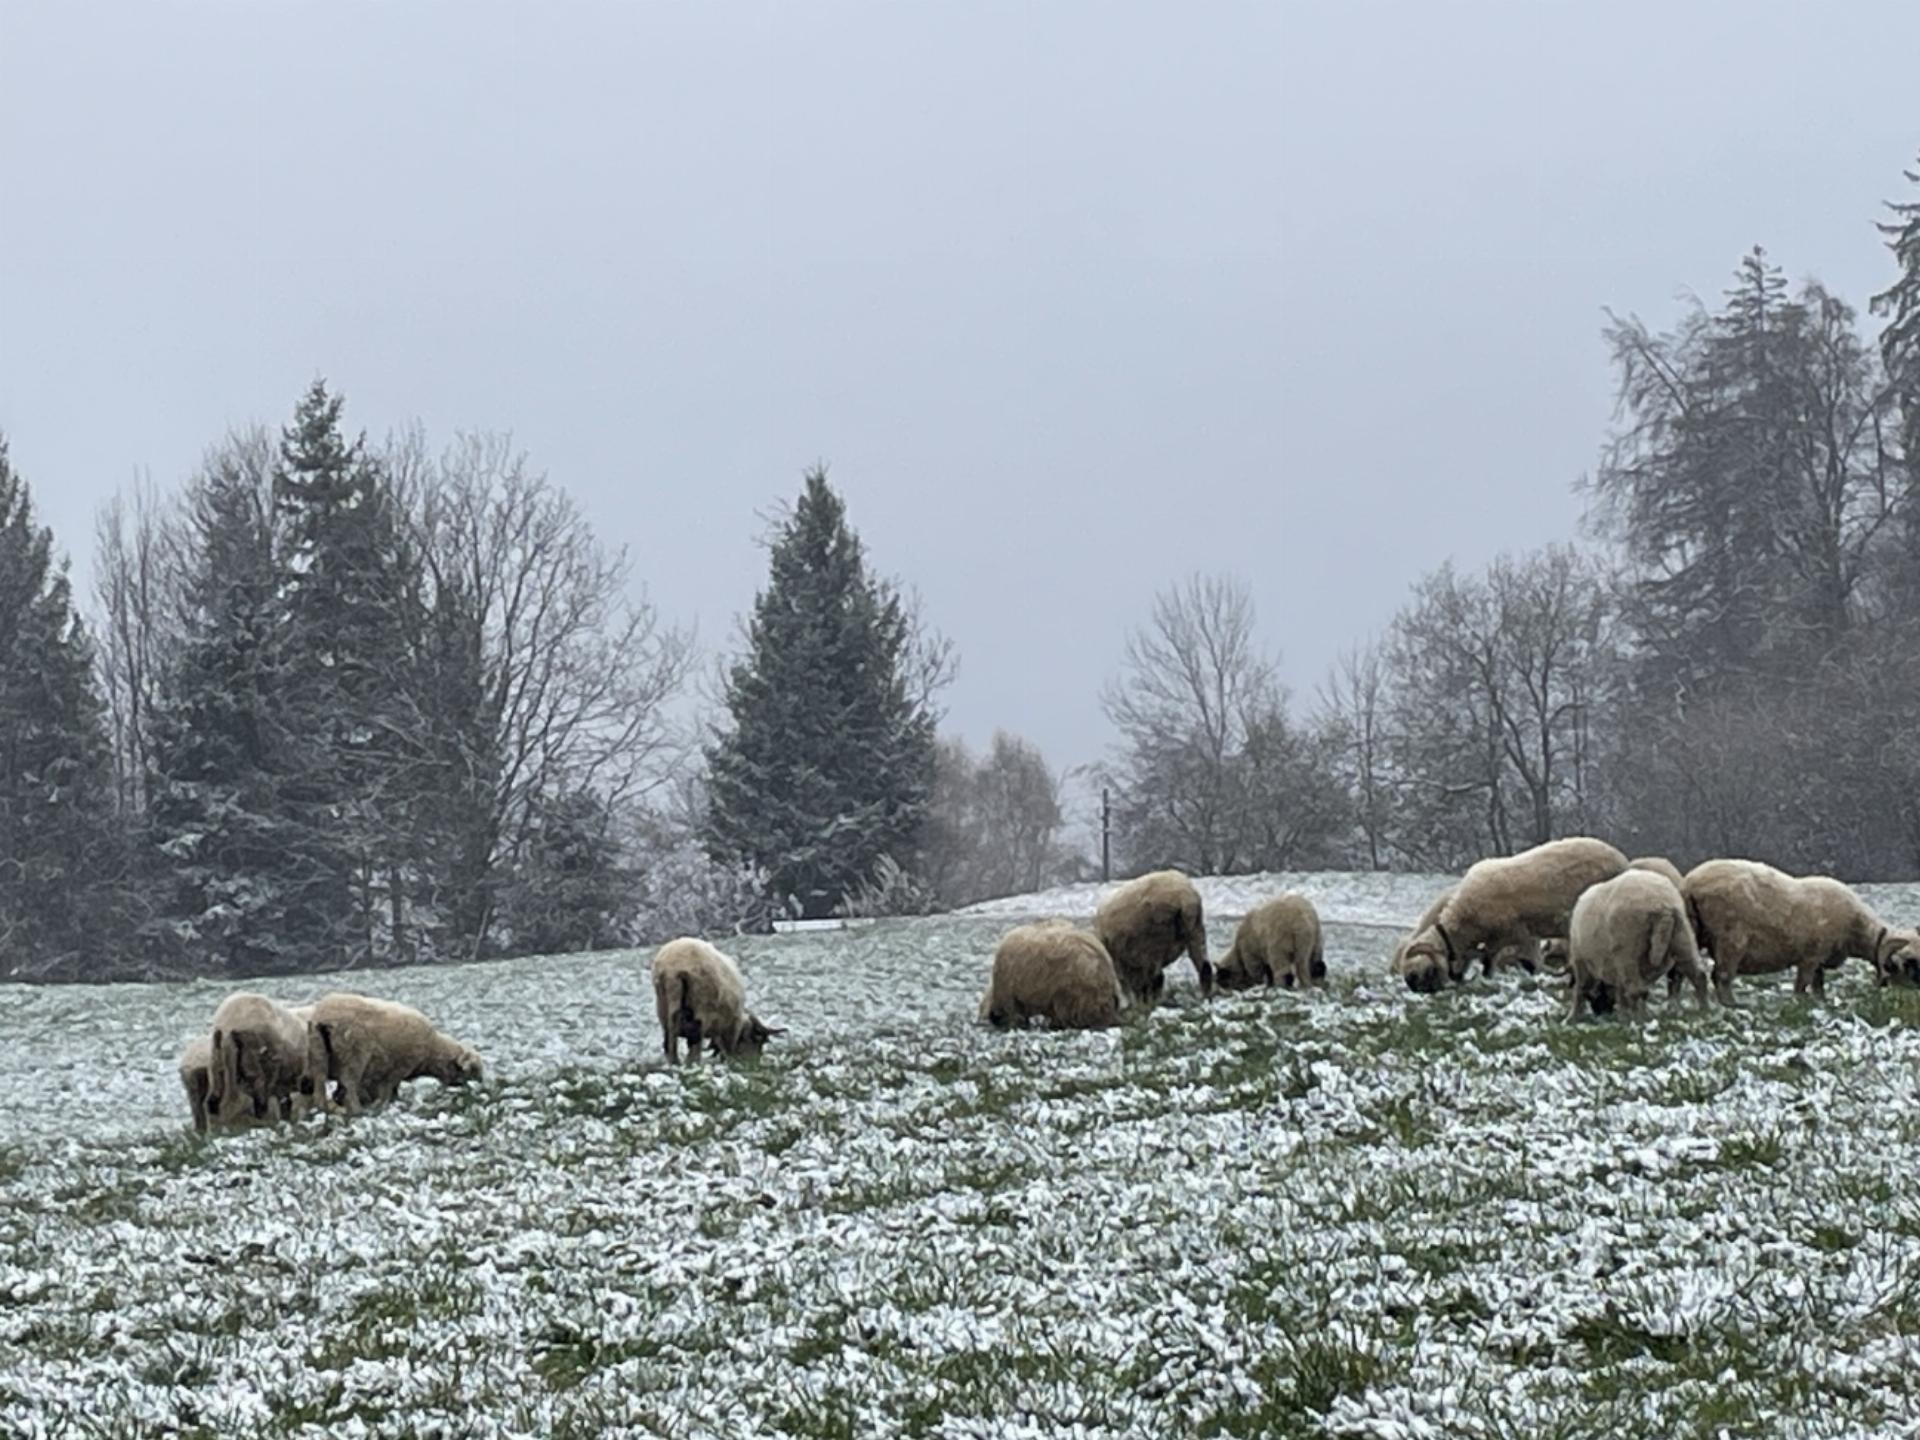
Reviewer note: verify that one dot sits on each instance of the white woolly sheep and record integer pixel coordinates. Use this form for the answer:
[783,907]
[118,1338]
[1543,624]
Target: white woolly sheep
[1050,971]
[1754,920]
[196,1078]
[1146,924]
[1507,902]
[1278,943]
[262,1054]
[1661,866]
[699,996]
[1625,934]
[1429,974]
[373,1047]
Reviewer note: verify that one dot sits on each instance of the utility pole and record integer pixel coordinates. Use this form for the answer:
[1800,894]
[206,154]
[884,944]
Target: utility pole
[1106,832]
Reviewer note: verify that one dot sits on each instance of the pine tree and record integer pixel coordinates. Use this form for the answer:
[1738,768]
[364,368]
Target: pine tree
[242,891]
[353,616]
[570,891]
[58,858]
[1748,482]
[827,765]
[1900,350]
[1900,301]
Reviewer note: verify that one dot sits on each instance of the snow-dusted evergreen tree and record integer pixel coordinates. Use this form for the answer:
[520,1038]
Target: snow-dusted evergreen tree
[1900,301]
[351,596]
[59,861]
[826,765]
[1900,350]
[571,889]
[239,894]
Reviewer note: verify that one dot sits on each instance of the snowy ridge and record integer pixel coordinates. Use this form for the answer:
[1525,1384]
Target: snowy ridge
[1342,898]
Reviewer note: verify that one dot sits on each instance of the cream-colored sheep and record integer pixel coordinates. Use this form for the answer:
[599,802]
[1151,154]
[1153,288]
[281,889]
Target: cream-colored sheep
[261,1054]
[699,996]
[1050,971]
[1146,924]
[1508,902]
[1661,866]
[1428,974]
[1278,943]
[1754,920]
[1625,934]
[196,1078]
[373,1047]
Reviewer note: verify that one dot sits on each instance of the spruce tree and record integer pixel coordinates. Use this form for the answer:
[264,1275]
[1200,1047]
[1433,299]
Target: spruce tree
[58,857]
[1900,301]
[1900,350]
[353,622]
[242,895]
[827,764]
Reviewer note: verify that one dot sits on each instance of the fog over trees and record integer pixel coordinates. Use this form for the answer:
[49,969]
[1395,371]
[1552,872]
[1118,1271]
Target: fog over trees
[338,702]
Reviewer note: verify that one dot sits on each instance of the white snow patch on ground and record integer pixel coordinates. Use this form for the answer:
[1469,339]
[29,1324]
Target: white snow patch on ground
[1354,1212]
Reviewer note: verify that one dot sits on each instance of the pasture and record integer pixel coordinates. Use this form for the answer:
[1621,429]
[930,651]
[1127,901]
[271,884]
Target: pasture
[1349,1212]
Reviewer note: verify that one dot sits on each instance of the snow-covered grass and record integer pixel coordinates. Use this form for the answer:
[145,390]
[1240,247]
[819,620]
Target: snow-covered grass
[1356,1212]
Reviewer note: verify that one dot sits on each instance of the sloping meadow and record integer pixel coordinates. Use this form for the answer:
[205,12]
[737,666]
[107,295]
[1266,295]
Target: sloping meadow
[1353,1212]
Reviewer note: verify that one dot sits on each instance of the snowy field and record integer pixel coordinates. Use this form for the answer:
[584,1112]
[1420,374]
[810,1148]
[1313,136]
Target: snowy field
[1356,1212]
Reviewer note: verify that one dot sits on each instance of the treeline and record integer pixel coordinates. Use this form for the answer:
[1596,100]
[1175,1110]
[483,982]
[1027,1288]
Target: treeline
[342,705]
[1723,668]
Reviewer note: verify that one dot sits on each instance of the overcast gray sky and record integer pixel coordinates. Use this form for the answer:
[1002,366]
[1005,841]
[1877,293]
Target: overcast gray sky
[1073,297]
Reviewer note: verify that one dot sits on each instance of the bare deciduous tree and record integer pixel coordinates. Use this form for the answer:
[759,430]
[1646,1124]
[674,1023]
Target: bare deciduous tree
[569,675]
[1353,713]
[1495,683]
[995,823]
[1213,776]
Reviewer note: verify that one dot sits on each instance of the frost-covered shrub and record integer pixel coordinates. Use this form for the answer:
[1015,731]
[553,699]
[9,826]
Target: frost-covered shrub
[684,891]
[889,890]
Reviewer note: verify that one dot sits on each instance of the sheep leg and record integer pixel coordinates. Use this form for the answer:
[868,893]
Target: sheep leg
[1197,952]
[352,1072]
[1725,967]
[1577,988]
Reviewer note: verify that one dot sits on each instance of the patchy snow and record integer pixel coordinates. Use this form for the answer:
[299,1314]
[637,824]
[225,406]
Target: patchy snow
[1355,1212]
[1342,897]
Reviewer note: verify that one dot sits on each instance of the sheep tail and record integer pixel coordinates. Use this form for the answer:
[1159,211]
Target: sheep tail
[1659,943]
[223,1073]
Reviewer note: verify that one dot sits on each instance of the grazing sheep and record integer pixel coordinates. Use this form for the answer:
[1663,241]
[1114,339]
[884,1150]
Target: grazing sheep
[1753,919]
[699,995]
[1625,934]
[1278,943]
[373,1047]
[1429,974]
[1145,924]
[1050,971]
[1661,866]
[1509,902]
[196,1078]
[261,1053]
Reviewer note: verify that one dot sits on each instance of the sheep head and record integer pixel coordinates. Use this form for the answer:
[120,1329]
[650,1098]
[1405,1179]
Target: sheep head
[1896,957]
[750,1039]
[459,1068]
[1234,973]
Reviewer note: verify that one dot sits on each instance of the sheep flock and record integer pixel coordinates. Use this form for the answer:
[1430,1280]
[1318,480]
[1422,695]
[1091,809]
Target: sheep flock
[1369,1182]
[1610,928]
